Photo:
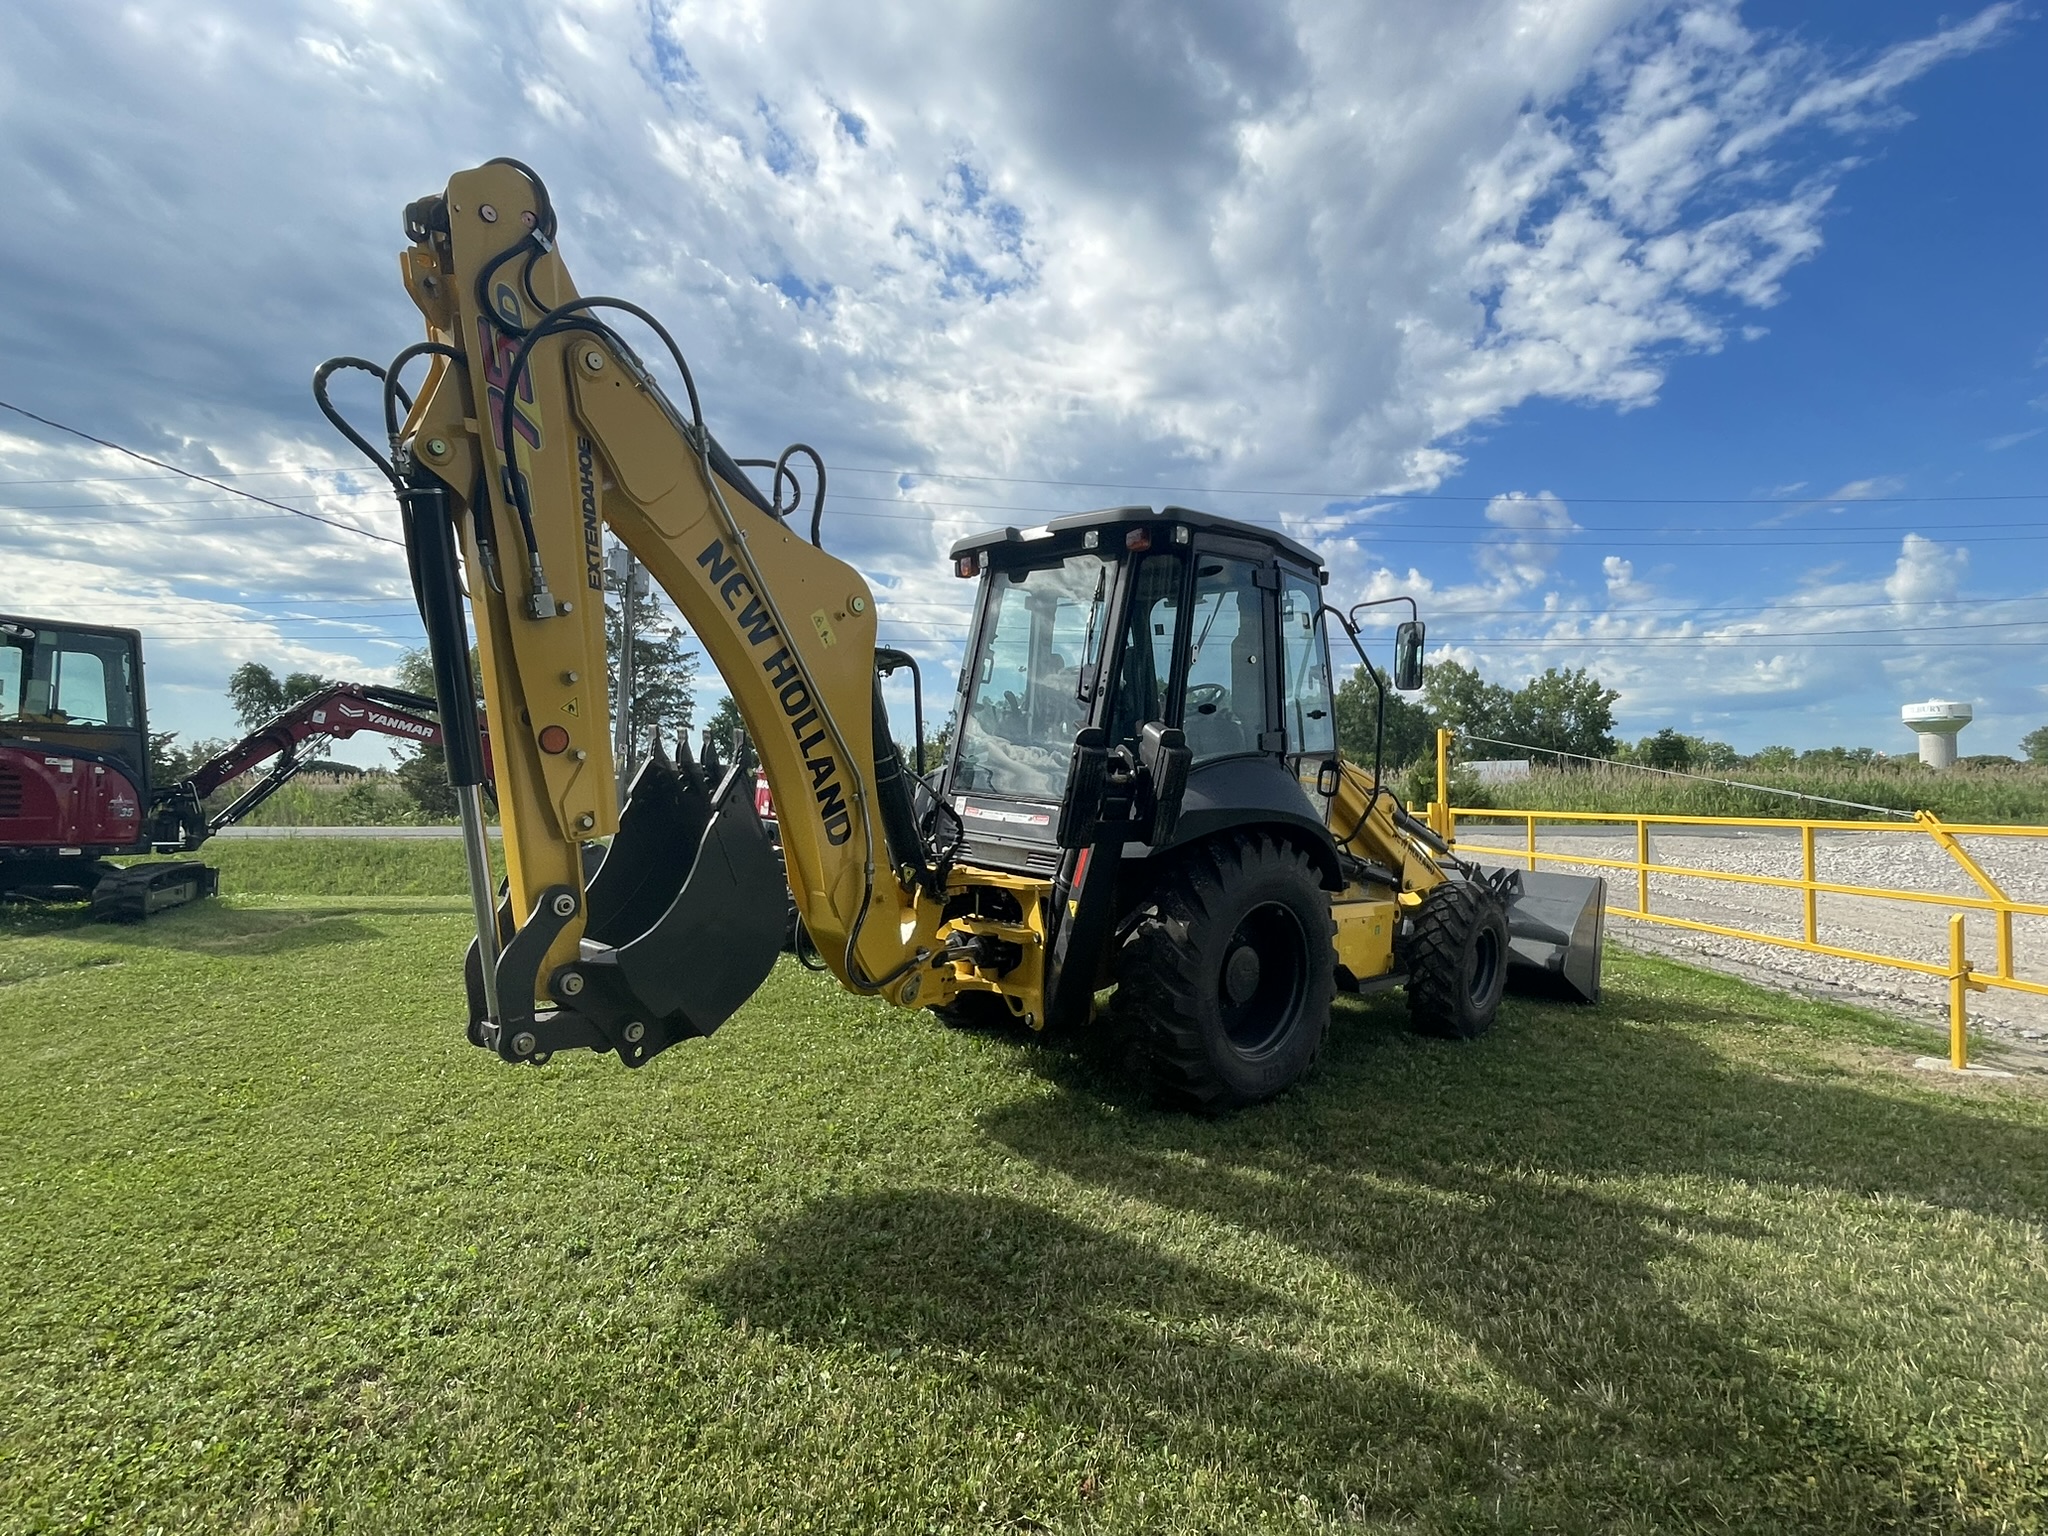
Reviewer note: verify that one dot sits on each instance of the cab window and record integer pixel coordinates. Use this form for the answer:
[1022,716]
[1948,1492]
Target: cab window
[1030,678]
[1305,656]
[1224,710]
[81,687]
[65,677]
[1151,624]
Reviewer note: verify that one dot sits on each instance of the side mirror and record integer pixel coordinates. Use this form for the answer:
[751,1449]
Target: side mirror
[1408,655]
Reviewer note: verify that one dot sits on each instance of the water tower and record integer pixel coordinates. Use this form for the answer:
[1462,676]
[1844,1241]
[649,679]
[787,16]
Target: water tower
[1936,723]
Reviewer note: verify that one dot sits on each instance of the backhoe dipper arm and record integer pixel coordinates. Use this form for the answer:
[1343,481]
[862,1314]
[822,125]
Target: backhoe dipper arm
[536,429]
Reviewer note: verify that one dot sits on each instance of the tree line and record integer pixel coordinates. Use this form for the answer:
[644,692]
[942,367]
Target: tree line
[1570,713]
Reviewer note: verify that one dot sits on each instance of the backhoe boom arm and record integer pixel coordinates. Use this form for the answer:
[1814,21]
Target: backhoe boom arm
[537,430]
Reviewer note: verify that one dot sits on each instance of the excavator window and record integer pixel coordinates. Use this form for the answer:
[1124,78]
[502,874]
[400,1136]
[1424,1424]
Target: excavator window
[68,677]
[13,668]
[1032,672]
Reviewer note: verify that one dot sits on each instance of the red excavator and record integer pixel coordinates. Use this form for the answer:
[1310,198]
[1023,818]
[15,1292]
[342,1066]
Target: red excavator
[75,784]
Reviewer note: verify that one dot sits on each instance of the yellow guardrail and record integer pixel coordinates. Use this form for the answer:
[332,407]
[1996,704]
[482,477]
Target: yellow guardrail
[1961,976]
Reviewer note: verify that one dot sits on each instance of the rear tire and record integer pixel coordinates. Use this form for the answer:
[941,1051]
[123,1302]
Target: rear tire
[1224,985]
[1456,955]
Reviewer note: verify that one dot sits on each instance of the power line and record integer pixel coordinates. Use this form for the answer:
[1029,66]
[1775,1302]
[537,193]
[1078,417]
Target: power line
[1647,501]
[1187,490]
[202,479]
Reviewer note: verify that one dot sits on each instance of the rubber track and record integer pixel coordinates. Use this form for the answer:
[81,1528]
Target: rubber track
[1158,988]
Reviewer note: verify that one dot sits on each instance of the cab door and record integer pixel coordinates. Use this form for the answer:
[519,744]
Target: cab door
[1307,708]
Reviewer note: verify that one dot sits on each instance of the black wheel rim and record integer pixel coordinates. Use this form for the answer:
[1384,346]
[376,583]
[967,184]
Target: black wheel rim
[1262,979]
[1482,969]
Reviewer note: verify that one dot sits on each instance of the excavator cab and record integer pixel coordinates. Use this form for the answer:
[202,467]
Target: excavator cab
[74,754]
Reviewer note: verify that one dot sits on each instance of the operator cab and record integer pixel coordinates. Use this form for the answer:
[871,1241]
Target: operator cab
[1126,616]
[73,686]
[74,752]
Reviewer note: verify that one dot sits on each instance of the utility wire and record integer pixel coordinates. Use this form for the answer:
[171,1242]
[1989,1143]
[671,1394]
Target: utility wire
[1214,490]
[218,485]
[1646,501]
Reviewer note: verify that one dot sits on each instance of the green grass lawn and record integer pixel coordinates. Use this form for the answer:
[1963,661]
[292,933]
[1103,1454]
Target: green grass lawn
[279,1252]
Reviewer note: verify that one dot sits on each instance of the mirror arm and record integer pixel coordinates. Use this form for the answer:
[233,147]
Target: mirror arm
[1414,612]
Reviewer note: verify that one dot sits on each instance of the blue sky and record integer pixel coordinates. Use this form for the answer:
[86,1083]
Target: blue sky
[1663,340]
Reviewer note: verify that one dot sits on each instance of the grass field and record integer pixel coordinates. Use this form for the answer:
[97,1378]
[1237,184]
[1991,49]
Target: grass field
[280,1253]
[1962,795]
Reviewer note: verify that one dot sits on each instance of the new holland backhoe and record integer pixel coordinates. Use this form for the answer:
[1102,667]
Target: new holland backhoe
[1143,794]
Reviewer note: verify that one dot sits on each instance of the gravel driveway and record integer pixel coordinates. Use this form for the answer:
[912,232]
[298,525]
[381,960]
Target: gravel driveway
[1882,861]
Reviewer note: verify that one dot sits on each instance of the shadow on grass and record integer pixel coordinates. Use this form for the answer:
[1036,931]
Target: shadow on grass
[211,928]
[1456,1185]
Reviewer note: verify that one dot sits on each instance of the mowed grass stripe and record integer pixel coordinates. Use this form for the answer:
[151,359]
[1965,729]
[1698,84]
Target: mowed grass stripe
[280,1252]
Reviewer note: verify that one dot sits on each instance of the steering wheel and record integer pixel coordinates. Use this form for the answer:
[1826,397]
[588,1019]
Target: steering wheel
[1207,698]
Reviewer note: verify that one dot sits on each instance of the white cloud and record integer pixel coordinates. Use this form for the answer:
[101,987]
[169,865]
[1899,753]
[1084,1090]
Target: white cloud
[1623,588]
[1190,242]
[1522,555]
[1926,572]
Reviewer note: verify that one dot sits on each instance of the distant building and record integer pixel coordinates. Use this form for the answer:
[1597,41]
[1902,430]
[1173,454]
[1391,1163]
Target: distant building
[1499,770]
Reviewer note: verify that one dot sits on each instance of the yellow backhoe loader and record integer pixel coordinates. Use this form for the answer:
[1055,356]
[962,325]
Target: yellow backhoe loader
[1143,791]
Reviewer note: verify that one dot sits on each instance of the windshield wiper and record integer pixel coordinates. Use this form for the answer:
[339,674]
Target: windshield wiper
[1083,687]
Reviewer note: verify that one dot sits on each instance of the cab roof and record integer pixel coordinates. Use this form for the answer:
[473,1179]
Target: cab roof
[1027,541]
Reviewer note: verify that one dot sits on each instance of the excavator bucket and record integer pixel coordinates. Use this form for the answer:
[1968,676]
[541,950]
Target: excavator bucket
[1555,924]
[684,919]
[686,912]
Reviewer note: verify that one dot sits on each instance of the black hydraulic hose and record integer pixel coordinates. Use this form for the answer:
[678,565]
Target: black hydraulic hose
[347,429]
[341,423]
[890,660]
[572,316]
[394,391]
[432,536]
[818,500]
[536,243]
[782,473]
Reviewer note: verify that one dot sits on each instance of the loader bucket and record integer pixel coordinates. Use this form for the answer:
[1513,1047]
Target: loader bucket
[684,919]
[1555,923]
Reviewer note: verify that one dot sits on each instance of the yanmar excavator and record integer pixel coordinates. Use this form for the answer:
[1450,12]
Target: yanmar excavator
[75,785]
[1144,792]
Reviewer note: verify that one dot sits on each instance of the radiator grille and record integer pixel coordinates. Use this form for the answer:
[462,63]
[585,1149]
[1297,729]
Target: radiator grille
[10,792]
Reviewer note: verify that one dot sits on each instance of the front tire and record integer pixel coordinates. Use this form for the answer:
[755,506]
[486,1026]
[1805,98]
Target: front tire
[1457,961]
[1225,983]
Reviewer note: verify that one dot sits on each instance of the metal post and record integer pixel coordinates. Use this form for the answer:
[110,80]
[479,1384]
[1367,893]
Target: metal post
[1958,986]
[1443,782]
[1532,842]
[1642,865]
[1806,873]
[476,849]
